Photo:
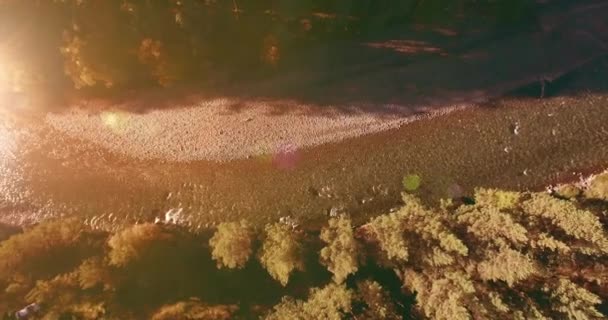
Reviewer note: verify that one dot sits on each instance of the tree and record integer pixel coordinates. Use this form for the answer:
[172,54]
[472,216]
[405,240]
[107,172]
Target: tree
[194,309]
[232,244]
[540,257]
[130,244]
[340,255]
[332,302]
[378,303]
[62,296]
[498,198]
[281,252]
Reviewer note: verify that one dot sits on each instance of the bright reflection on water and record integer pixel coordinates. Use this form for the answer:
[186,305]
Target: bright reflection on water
[10,178]
[44,173]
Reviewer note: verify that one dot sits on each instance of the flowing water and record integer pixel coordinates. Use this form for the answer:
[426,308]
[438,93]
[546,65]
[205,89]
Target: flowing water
[518,144]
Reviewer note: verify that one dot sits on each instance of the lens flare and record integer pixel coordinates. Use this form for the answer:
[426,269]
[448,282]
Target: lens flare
[115,121]
[286,157]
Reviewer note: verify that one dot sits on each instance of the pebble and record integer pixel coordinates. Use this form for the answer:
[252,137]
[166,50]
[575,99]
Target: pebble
[516,128]
[171,135]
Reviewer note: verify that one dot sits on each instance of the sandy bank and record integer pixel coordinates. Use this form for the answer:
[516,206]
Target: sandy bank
[213,131]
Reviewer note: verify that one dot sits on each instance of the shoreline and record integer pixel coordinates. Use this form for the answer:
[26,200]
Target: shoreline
[56,175]
[211,131]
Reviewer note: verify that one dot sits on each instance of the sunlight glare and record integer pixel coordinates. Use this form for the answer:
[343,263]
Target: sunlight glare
[115,121]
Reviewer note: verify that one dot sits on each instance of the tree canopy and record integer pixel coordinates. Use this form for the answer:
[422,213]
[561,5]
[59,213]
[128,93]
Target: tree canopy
[130,44]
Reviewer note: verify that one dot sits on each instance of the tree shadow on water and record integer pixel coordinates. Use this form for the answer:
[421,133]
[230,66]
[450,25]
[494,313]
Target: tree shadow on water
[407,74]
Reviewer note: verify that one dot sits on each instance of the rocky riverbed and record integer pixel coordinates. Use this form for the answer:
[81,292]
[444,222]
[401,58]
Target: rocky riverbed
[218,159]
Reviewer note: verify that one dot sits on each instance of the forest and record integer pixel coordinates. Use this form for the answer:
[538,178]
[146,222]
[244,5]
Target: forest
[488,254]
[496,255]
[54,45]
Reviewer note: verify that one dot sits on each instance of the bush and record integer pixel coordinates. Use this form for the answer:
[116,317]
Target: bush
[567,191]
[598,187]
[232,244]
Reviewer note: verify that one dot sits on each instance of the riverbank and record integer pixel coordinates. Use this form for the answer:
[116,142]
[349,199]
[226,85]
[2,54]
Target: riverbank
[114,166]
[563,136]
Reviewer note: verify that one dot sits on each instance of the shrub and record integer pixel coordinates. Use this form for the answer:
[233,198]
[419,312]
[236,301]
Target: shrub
[281,252]
[567,191]
[341,253]
[411,182]
[598,187]
[232,244]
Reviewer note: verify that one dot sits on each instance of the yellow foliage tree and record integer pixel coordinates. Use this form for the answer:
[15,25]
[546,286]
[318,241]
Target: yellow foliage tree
[281,252]
[332,302]
[194,310]
[128,245]
[342,250]
[232,244]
